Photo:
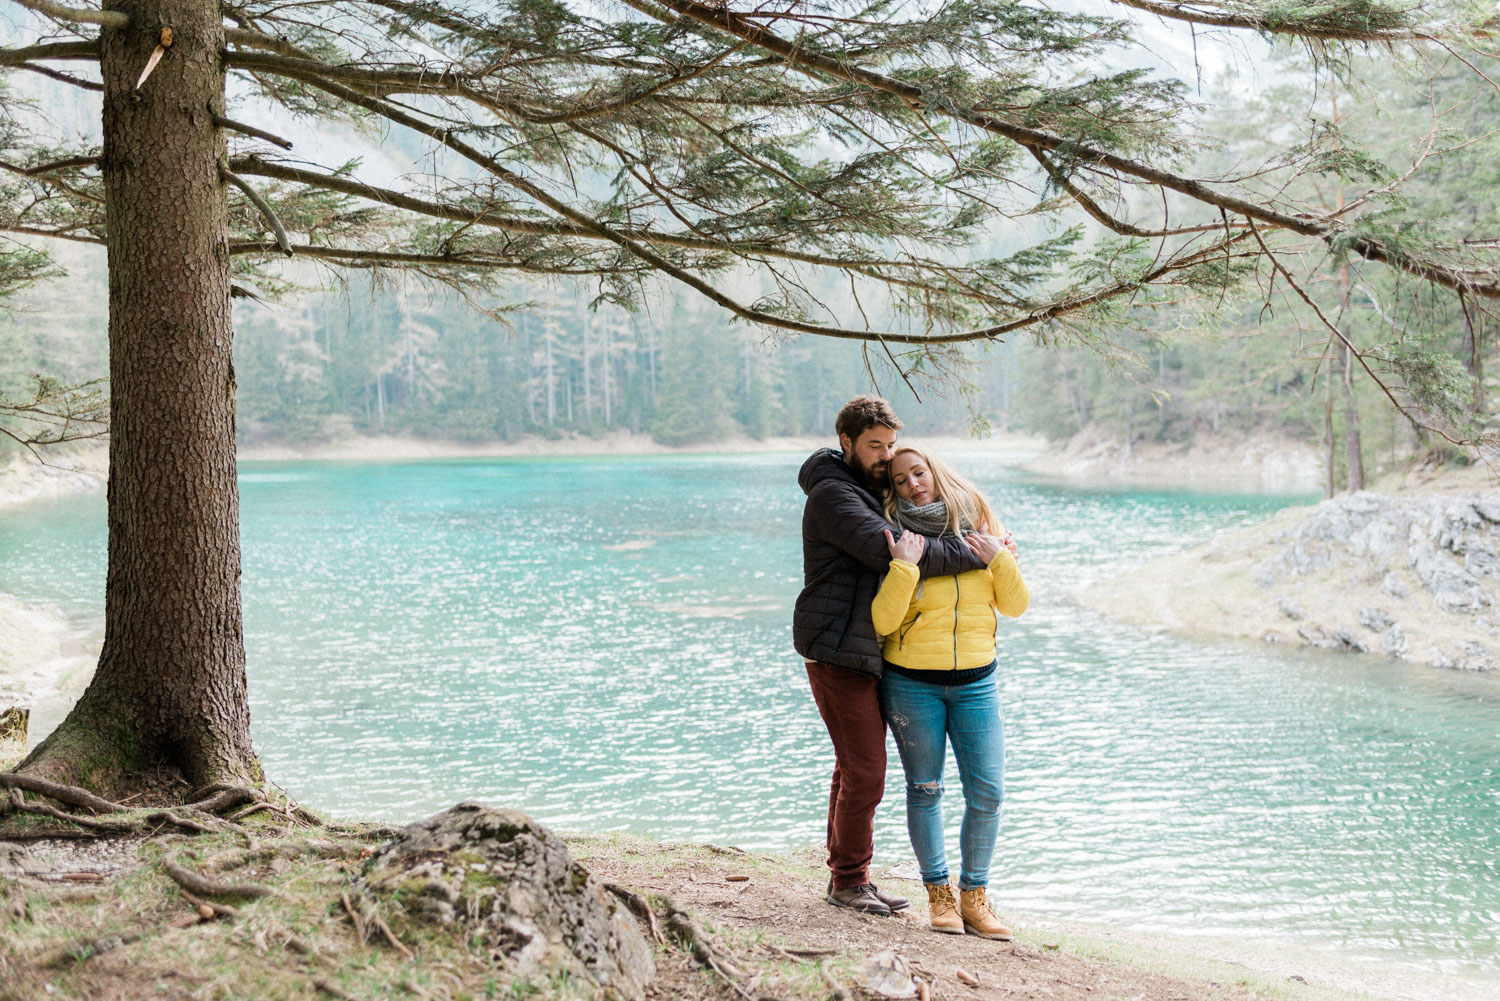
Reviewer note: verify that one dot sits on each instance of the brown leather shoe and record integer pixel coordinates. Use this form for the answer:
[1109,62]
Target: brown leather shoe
[895,903]
[859,898]
[977,917]
[942,910]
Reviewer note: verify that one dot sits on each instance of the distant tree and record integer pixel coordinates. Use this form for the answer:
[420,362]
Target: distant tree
[618,141]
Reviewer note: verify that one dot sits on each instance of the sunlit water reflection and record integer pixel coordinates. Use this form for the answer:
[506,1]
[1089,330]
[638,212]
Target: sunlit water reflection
[606,644]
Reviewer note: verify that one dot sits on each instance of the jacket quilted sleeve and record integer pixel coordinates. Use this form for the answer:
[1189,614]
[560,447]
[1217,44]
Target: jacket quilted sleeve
[843,519]
[894,597]
[1012,597]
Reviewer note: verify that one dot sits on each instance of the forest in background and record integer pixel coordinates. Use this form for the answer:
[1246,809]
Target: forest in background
[386,354]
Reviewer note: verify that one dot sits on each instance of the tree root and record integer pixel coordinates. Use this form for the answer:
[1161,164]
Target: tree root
[220,910]
[681,926]
[333,990]
[206,887]
[84,949]
[223,797]
[71,795]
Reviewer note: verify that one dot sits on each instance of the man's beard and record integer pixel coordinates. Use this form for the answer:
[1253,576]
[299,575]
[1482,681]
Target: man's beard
[876,478]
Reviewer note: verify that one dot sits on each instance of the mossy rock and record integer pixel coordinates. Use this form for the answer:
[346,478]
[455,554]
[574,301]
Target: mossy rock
[511,885]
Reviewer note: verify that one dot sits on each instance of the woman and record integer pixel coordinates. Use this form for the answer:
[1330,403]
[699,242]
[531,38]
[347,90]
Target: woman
[938,684]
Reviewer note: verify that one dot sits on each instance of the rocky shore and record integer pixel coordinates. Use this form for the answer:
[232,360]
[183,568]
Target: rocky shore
[1408,577]
[1232,463]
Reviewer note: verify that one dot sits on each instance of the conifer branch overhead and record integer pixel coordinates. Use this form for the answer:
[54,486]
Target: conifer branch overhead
[76,15]
[1337,21]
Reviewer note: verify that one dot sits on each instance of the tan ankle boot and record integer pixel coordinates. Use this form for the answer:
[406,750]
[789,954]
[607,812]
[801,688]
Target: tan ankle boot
[942,911]
[977,917]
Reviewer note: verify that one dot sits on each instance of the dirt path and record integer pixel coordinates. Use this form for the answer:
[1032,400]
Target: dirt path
[781,904]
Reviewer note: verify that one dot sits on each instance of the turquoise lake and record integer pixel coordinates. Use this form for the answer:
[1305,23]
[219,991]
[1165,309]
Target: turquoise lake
[605,643]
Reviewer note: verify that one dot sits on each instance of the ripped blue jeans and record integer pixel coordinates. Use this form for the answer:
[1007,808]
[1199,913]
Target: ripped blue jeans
[923,718]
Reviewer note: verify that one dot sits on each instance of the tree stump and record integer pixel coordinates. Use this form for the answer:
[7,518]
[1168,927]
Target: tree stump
[511,884]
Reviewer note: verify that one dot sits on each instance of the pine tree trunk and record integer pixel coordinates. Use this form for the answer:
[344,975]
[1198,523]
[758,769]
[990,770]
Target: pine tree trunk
[1354,462]
[169,691]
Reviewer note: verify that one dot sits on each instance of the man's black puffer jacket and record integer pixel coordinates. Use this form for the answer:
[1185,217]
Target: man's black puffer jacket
[843,555]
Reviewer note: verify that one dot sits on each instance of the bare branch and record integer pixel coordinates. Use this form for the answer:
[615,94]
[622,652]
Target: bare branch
[264,209]
[87,50]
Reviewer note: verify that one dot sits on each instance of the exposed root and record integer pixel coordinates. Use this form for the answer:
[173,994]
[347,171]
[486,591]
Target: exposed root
[78,952]
[640,907]
[219,910]
[71,795]
[205,887]
[688,933]
[222,797]
[333,990]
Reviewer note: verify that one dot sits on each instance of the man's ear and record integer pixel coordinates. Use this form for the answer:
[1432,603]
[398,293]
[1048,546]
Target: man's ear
[846,444]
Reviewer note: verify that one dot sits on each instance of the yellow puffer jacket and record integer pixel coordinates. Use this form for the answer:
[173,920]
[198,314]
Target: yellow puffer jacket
[946,623]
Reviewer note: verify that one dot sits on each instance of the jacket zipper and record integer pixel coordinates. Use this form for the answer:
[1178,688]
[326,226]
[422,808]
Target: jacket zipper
[955,621]
[901,640]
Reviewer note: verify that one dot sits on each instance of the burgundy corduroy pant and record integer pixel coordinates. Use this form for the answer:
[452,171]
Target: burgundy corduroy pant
[849,702]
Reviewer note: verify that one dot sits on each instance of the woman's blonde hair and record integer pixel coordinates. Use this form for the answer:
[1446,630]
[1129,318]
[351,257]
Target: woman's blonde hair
[966,505]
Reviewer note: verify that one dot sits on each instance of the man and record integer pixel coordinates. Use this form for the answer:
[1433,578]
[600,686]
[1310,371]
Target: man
[844,552]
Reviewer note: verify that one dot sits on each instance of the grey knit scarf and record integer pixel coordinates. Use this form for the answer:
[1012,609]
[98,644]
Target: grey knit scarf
[929,519]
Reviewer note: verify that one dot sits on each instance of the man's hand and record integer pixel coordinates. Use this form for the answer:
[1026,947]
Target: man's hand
[909,548]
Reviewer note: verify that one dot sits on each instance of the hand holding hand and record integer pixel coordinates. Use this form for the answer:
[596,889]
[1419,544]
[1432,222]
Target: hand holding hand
[908,548]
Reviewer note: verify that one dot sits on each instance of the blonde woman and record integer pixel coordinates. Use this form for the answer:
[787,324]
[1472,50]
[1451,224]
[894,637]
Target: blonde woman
[938,682]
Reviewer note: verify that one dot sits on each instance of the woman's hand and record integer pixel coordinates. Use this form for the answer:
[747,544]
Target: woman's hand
[909,548]
[984,546]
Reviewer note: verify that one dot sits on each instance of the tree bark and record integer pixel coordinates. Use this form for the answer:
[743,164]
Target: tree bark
[169,692]
[1354,461]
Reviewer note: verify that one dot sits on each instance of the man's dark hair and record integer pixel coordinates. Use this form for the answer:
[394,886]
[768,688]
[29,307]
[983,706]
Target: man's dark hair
[862,413]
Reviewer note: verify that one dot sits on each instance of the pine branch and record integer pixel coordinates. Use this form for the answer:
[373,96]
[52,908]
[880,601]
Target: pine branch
[1353,22]
[816,64]
[76,15]
[83,50]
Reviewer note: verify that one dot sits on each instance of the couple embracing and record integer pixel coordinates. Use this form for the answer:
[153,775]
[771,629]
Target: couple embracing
[905,566]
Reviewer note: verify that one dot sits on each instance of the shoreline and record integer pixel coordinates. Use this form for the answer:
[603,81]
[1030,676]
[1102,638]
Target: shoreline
[1324,972]
[619,443]
[1407,575]
[1214,965]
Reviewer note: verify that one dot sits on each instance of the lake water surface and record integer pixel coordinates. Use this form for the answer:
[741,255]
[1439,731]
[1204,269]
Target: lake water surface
[606,644]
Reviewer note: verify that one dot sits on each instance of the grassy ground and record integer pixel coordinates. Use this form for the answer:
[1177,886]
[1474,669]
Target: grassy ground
[102,920]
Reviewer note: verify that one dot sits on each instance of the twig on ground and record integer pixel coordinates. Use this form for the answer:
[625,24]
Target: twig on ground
[360,931]
[379,922]
[839,993]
